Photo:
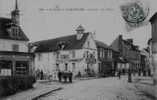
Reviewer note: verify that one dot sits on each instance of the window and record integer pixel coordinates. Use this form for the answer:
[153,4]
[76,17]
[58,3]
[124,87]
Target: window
[106,54]
[88,43]
[57,55]
[103,53]
[57,67]
[15,47]
[15,32]
[73,67]
[22,68]
[100,52]
[5,68]
[73,54]
[94,54]
[66,67]
[87,54]
[39,56]
[111,54]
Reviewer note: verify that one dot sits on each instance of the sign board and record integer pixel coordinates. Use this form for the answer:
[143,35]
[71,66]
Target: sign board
[5,72]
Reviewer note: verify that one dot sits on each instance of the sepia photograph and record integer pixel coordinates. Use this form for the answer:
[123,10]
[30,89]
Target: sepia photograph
[78,50]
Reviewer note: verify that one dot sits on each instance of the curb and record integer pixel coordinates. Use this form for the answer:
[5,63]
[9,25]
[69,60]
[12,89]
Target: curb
[143,89]
[46,93]
[86,78]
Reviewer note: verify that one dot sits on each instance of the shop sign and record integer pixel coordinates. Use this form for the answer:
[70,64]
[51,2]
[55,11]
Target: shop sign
[5,72]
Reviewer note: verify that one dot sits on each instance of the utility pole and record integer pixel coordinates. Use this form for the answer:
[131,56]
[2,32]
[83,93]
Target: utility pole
[153,21]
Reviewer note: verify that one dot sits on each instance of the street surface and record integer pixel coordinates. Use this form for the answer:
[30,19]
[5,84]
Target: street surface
[99,89]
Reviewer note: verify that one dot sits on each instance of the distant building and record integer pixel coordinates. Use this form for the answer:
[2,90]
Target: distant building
[129,54]
[76,53]
[145,67]
[105,59]
[14,56]
[153,43]
[149,50]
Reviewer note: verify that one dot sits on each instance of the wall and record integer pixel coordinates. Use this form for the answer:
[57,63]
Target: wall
[90,46]
[45,62]
[6,45]
[49,61]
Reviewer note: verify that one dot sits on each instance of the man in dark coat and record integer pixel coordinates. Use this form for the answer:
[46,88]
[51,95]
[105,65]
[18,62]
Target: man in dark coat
[70,77]
[59,76]
[119,74]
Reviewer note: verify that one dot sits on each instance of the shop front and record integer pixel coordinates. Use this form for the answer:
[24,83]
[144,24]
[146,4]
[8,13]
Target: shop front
[12,64]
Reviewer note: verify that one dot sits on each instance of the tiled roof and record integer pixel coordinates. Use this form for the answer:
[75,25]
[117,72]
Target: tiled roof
[153,17]
[4,34]
[101,44]
[16,53]
[70,42]
[149,41]
[115,45]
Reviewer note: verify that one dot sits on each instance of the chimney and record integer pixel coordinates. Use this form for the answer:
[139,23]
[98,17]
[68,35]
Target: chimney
[130,41]
[120,36]
[94,35]
[79,32]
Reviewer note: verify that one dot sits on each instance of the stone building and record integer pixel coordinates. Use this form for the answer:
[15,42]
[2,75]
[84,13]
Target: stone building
[129,56]
[105,57]
[14,56]
[76,53]
[145,68]
[153,44]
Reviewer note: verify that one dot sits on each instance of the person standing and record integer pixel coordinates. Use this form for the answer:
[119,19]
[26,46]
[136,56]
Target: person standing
[59,76]
[42,75]
[119,74]
[70,76]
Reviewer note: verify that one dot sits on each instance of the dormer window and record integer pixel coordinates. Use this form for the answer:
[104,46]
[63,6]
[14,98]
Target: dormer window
[15,32]
[61,45]
[79,31]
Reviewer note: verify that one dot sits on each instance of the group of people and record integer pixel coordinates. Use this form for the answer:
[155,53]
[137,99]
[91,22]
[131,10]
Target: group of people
[65,76]
[39,74]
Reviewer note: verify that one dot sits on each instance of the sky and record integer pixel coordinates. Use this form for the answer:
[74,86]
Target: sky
[40,21]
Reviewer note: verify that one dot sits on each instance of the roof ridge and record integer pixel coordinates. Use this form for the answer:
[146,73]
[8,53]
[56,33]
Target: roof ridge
[53,38]
[5,18]
[101,42]
[57,37]
[4,34]
[50,44]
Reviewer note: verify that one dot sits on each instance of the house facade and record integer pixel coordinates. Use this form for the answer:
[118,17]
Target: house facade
[14,56]
[75,53]
[153,43]
[149,50]
[105,57]
[145,68]
[129,54]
